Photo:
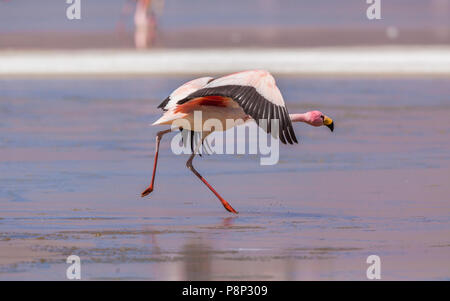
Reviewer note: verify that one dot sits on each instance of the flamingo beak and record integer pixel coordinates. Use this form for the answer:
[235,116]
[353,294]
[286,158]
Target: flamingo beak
[329,123]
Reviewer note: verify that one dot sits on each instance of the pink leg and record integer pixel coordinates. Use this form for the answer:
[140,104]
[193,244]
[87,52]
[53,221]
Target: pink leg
[158,139]
[191,167]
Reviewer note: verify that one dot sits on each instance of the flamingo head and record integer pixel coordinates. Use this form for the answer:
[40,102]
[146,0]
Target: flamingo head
[317,118]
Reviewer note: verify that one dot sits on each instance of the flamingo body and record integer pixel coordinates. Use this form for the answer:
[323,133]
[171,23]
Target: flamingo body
[244,95]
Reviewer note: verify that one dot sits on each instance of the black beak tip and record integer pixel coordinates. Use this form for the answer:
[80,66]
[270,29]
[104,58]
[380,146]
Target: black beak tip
[331,126]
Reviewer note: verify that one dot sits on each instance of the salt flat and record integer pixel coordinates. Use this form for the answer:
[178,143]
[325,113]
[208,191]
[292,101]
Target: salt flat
[377,60]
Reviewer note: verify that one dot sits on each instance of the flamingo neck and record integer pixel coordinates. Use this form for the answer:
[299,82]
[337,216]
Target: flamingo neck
[304,117]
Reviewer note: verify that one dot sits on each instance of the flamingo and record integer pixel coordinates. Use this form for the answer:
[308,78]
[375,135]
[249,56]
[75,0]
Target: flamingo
[145,24]
[246,95]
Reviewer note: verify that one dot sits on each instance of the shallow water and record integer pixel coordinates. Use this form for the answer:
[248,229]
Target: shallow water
[76,153]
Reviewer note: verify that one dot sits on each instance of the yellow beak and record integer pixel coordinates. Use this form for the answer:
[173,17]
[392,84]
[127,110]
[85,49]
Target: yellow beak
[329,123]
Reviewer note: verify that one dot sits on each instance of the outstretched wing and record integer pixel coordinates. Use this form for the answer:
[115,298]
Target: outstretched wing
[184,91]
[170,103]
[256,92]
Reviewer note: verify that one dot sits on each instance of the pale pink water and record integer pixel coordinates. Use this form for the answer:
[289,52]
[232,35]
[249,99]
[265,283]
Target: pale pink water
[75,155]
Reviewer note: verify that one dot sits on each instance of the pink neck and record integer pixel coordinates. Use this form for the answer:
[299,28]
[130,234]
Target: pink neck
[299,117]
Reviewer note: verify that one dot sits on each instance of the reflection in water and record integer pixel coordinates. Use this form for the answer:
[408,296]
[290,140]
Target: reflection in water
[197,260]
[151,240]
[200,261]
[206,255]
[228,222]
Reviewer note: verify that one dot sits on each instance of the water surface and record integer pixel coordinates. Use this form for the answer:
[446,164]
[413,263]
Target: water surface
[76,153]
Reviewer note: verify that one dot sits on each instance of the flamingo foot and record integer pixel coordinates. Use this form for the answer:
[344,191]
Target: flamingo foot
[147,191]
[229,208]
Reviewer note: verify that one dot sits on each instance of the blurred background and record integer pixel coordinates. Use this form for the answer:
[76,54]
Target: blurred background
[203,23]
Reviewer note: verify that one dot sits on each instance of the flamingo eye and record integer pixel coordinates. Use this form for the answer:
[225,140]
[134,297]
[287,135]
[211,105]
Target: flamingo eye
[323,117]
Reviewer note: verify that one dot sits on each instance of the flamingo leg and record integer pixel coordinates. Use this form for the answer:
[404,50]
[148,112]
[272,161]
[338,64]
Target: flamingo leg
[158,139]
[191,167]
